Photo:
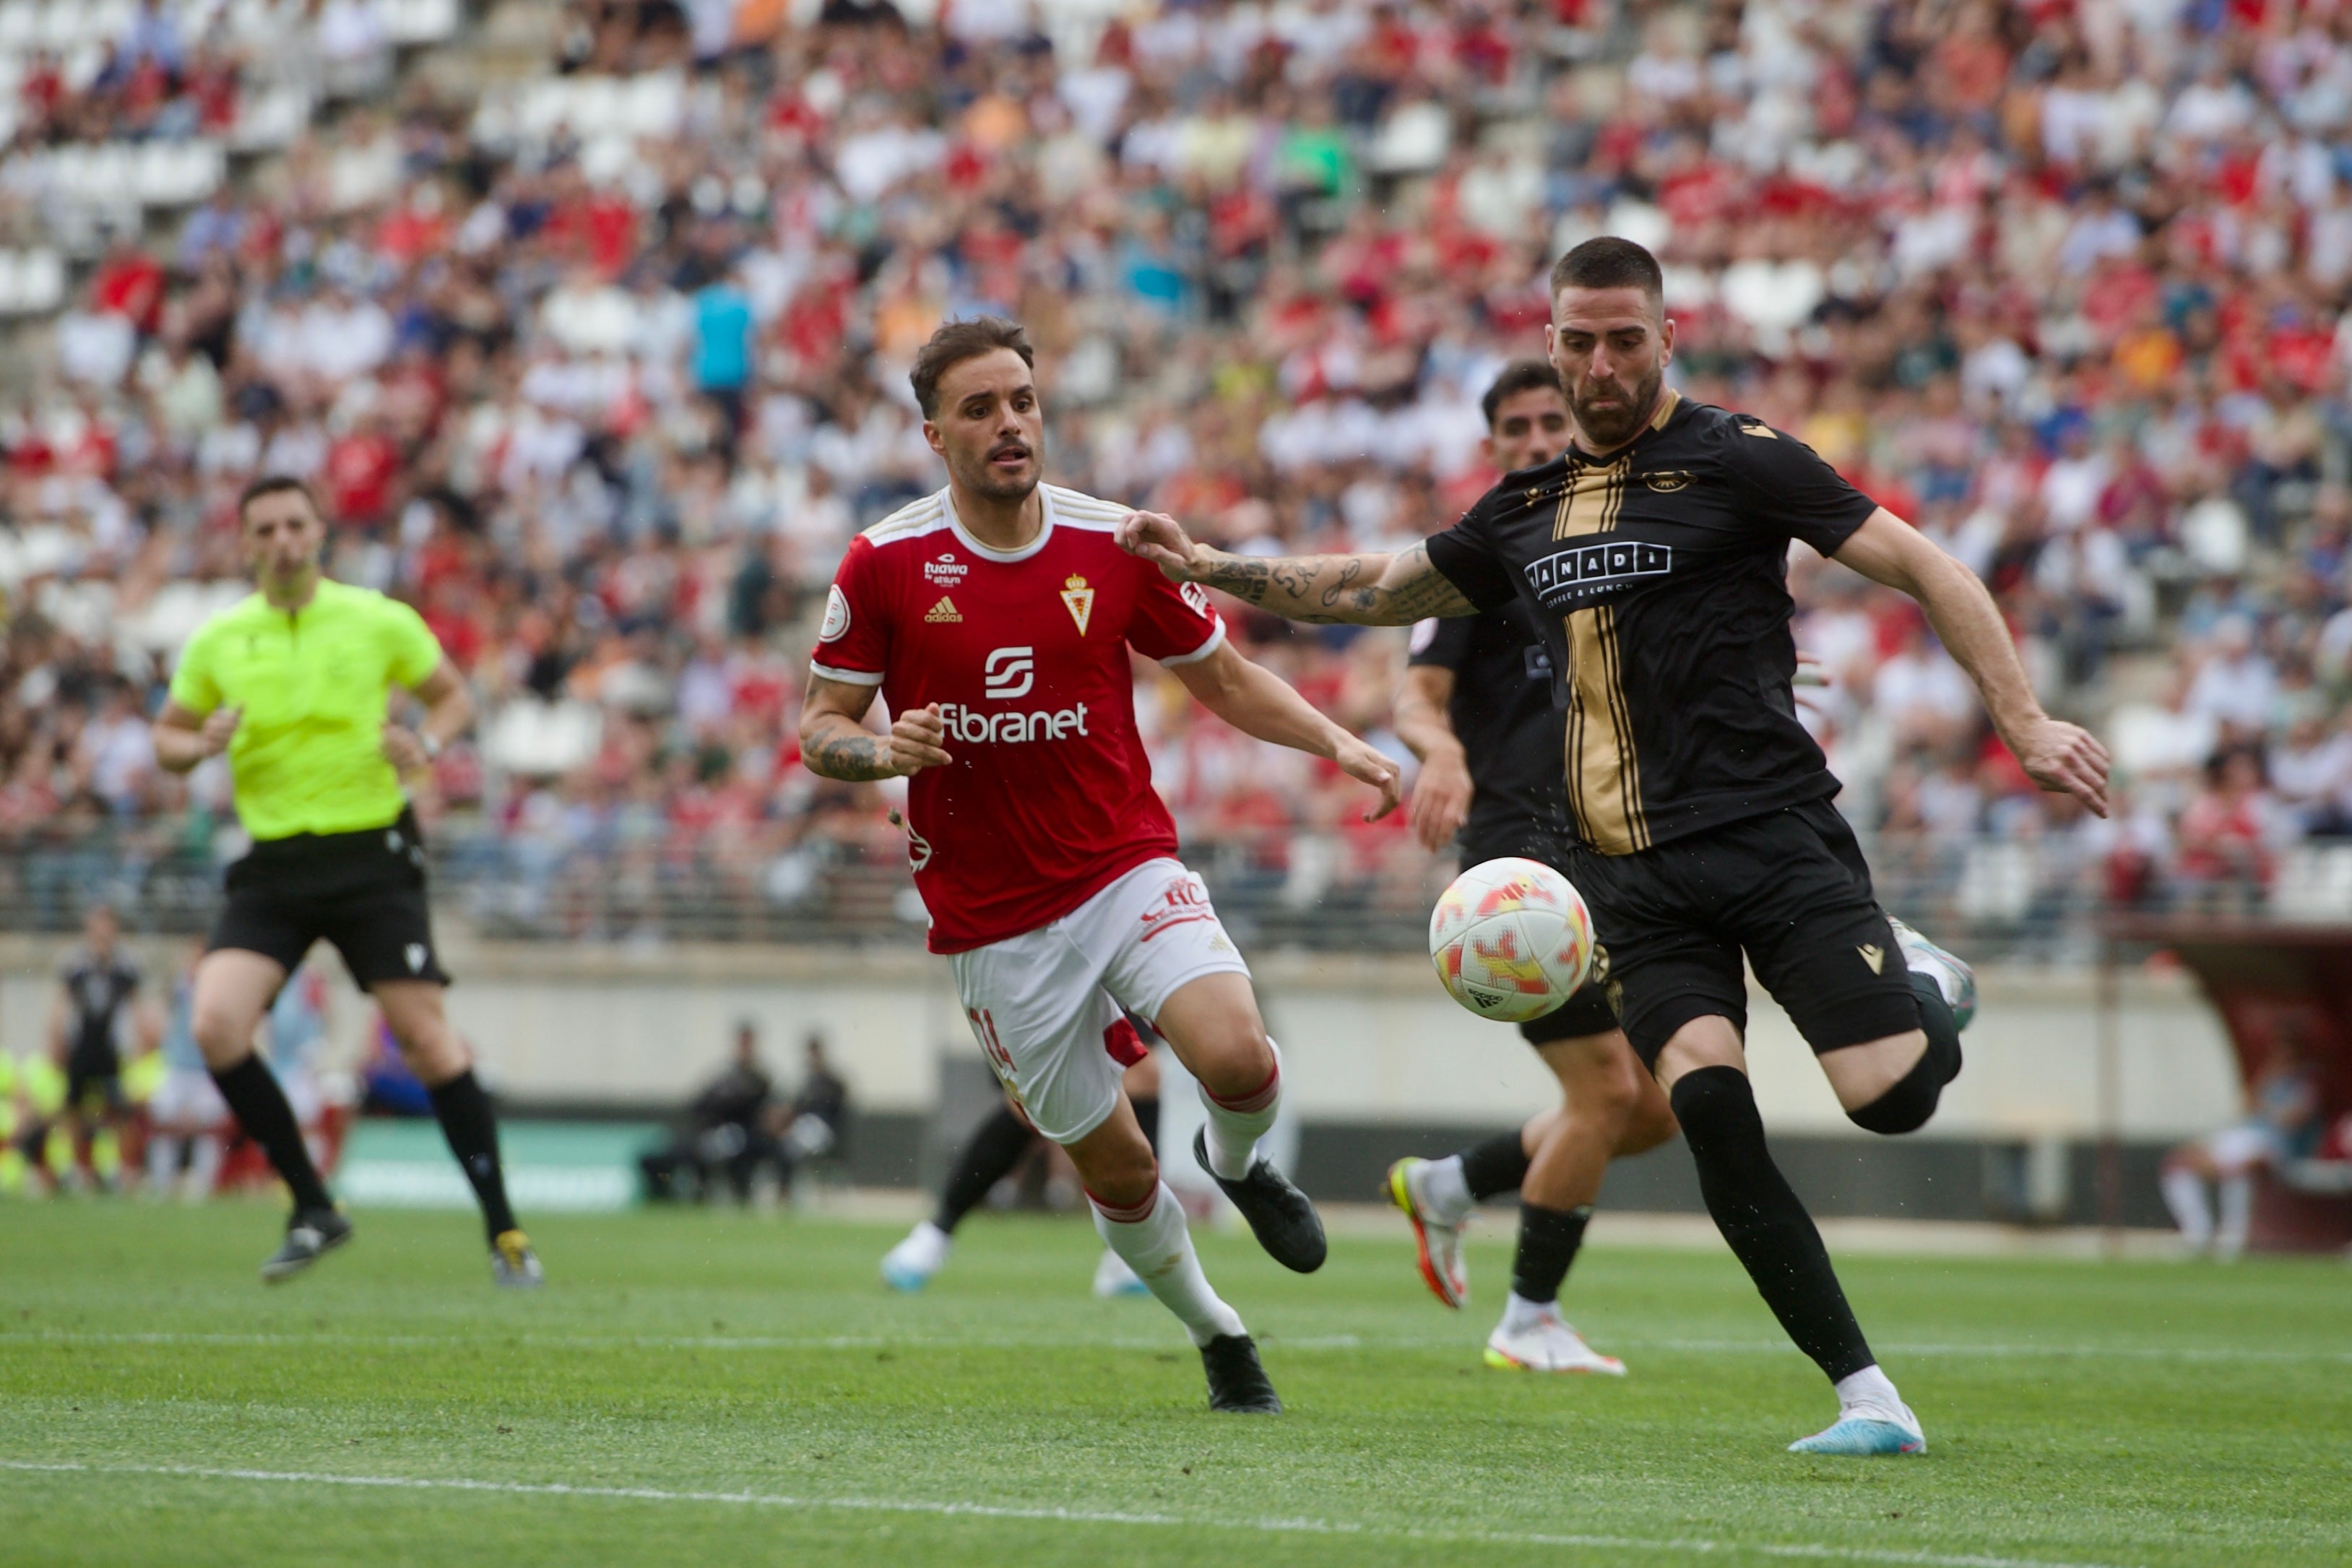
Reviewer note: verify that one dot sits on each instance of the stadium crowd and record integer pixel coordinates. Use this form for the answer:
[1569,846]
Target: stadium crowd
[600,366]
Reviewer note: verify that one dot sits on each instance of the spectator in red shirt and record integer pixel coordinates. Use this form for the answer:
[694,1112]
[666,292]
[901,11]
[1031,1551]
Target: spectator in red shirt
[130,283]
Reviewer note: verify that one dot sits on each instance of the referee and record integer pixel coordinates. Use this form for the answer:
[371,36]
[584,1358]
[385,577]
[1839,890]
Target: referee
[292,682]
[1654,554]
[1477,708]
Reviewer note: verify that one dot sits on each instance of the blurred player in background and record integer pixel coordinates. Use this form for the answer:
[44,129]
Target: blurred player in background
[1654,554]
[2284,1121]
[1478,709]
[292,682]
[995,618]
[191,1121]
[995,1149]
[89,1023]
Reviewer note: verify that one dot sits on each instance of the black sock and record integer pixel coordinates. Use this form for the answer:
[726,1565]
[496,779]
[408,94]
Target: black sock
[260,1105]
[473,1133]
[1147,1116]
[989,1155]
[1942,1030]
[1907,1105]
[1548,1239]
[1494,1165]
[1767,1227]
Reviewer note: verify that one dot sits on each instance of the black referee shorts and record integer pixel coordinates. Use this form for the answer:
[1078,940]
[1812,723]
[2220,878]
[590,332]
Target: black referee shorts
[364,892]
[1588,1011]
[94,1080]
[1789,889]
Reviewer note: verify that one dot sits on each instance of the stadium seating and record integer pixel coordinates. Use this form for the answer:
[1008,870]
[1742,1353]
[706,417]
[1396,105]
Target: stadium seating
[2067,296]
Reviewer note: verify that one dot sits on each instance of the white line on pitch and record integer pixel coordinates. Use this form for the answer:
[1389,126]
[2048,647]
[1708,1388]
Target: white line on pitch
[1675,1546]
[1306,1341]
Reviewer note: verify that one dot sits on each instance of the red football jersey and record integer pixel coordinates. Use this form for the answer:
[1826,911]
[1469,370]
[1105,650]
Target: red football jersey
[1050,798]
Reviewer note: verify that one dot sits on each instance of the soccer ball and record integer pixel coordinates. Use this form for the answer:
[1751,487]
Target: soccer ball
[1511,939]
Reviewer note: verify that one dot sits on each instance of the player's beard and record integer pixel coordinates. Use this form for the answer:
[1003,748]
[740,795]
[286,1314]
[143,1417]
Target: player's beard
[982,479]
[1606,429]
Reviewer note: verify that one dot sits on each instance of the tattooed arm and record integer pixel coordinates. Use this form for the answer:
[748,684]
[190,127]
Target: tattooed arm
[834,741]
[1367,590]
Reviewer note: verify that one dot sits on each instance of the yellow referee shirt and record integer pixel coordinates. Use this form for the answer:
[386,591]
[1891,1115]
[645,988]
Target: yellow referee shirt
[305,758]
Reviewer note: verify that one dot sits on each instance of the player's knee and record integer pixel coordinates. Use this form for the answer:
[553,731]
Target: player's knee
[1123,1183]
[1236,1059]
[434,1051]
[1716,1106]
[1650,1123]
[1607,1092]
[1907,1105]
[224,1036]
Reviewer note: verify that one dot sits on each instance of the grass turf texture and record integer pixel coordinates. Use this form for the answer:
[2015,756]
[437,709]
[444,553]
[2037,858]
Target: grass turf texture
[2125,1414]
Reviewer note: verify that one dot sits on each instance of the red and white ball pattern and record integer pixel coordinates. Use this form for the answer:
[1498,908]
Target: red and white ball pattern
[1511,939]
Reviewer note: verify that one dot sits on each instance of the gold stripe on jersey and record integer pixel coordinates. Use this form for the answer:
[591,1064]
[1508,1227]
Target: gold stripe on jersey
[1604,787]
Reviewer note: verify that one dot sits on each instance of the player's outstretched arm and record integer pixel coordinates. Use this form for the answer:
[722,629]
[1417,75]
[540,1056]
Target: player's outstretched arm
[1362,589]
[1442,792]
[2057,755]
[1257,702]
[835,743]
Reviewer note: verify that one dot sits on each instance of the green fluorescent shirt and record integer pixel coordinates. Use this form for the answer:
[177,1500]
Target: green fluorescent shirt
[305,758]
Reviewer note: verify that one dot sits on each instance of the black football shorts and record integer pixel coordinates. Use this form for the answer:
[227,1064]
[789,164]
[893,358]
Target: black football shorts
[94,1080]
[1791,889]
[364,892]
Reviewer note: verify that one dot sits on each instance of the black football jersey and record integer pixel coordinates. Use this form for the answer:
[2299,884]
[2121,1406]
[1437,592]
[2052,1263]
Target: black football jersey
[1659,580]
[1506,710]
[98,989]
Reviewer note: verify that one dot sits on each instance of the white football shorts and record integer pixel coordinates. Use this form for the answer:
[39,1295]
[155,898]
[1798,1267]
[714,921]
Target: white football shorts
[1044,1005]
[187,1098]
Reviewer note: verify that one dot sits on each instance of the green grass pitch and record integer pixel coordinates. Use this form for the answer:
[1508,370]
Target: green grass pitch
[728,1388]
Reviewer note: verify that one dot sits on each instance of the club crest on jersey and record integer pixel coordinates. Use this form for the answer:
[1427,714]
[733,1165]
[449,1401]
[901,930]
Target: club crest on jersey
[1666,481]
[1079,600]
[943,613]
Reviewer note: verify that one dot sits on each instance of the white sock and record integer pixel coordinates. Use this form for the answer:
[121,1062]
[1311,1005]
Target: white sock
[206,1153]
[2184,1194]
[1155,1242]
[1870,1394]
[163,1160]
[1521,1314]
[2237,1215]
[1445,1192]
[1236,1125]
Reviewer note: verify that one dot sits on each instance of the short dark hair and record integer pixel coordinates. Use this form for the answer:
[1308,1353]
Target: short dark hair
[957,341]
[1608,262]
[1519,376]
[276,485]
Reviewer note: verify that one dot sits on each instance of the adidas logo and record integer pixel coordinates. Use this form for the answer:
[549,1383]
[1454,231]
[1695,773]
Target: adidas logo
[943,612]
[1873,955]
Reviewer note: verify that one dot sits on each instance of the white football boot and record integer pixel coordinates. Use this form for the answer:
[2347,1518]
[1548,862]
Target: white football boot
[1548,1344]
[910,1265]
[1114,1278]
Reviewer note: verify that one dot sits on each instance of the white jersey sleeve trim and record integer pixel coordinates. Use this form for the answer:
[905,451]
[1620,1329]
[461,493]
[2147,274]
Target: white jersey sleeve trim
[1199,653]
[849,677]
